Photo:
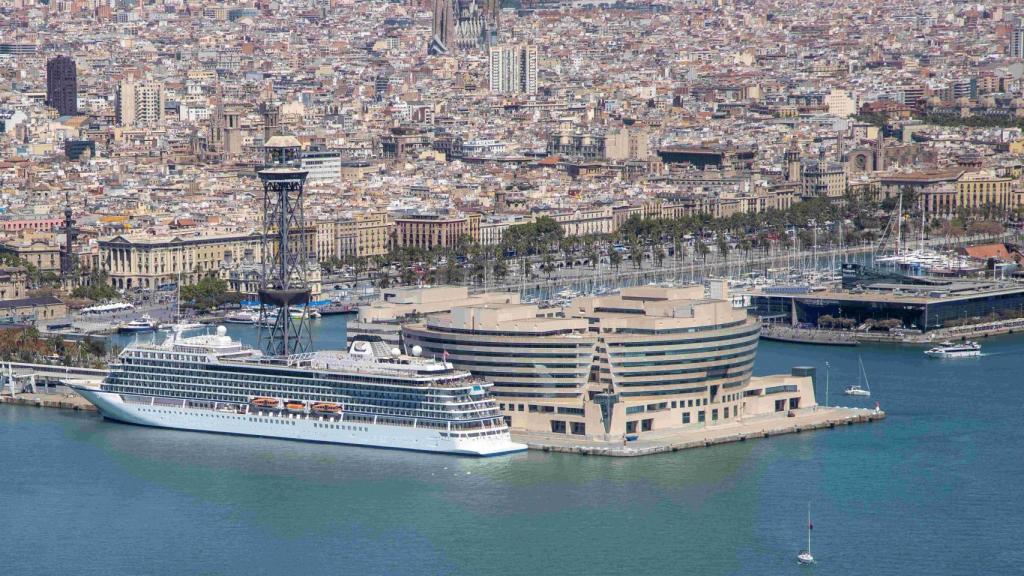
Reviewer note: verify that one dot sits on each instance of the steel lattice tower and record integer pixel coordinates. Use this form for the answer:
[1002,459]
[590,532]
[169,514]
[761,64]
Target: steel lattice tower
[283,282]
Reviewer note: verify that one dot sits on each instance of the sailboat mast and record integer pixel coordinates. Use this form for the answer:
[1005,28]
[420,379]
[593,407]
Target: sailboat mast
[808,528]
[899,225]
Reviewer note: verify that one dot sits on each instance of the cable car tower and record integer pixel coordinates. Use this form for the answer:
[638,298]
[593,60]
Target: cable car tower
[284,288]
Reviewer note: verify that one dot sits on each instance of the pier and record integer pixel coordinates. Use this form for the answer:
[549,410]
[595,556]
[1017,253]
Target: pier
[803,420]
[43,385]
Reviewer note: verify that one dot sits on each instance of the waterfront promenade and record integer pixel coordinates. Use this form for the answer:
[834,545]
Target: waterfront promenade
[803,420]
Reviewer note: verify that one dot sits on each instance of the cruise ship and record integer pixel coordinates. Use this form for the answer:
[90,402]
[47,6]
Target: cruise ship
[370,396]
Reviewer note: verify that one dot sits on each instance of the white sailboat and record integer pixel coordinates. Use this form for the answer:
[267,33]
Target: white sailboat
[805,556]
[857,389]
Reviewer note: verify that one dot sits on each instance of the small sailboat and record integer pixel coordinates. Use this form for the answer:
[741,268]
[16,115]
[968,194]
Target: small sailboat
[857,389]
[805,557]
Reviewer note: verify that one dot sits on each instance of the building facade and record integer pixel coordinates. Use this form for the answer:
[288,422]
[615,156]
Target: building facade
[365,235]
[146,262]
[612,367]
[62,85]
[512,69]
[139,104]
[428,231]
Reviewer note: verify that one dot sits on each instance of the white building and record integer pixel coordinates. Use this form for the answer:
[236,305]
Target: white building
[512,69]
[139,103]
[324,166]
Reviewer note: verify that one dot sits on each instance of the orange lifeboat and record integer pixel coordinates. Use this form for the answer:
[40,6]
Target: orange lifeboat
[326,408]
[295,406]
[264,402]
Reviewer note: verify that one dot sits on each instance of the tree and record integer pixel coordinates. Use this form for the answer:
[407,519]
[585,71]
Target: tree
[615,259]
[636,253]
[97,288]
[500,268]
[208,293]
[702,250]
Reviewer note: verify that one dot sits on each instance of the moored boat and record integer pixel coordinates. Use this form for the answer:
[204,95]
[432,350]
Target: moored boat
[951,350]
[371,395]
[143,324]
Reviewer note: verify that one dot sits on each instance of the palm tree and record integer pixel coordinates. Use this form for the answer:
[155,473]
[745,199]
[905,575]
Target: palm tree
[702,250]
[636,252]
[614,258]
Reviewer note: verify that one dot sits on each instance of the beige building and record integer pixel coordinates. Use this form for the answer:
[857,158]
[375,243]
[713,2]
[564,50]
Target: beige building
[13,283]
[398,303]
[146,261]
[29,310]
[39,250]
[610,367]
[945,193]
[428,231]
[365,235]
[586,221]
[627,143]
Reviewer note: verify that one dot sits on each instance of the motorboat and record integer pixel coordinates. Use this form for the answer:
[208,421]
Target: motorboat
[952,350]
[143,324]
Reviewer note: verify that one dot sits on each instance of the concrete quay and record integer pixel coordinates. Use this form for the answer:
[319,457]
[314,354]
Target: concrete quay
[805,419]
[65,401]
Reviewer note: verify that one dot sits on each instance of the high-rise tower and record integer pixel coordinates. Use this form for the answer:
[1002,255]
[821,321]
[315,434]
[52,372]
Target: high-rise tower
[62,85]
[1017,39]
[284,287]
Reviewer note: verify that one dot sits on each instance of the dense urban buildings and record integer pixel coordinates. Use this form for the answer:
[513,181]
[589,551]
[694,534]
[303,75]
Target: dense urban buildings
[433,130]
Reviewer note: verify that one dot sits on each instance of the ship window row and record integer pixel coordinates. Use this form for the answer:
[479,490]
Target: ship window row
[262,372]
[479,407]
[372,410]
[296,385]
[315,393]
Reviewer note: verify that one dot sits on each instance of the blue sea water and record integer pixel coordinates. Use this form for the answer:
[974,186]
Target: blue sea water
[934,489]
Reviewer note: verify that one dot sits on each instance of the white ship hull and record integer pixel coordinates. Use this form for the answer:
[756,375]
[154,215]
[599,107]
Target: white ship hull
[306,427]
[957,354]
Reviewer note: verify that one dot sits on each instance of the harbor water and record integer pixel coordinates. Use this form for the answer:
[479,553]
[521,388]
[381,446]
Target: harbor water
[933,489]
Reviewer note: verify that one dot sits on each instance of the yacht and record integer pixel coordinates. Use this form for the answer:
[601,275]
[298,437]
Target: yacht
[951,350]
[371,395]
[242,317]
[143,324]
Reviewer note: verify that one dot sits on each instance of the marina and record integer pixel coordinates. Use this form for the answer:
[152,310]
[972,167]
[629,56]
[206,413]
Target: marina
[878,485]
